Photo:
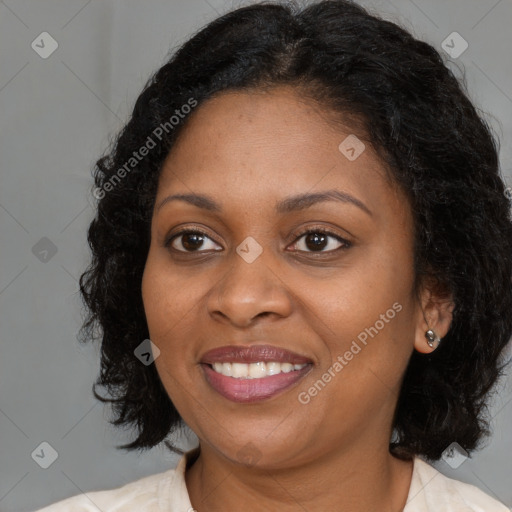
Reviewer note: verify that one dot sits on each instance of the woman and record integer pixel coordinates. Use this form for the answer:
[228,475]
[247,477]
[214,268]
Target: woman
[305,216]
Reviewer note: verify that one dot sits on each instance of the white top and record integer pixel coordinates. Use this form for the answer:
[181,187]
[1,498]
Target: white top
[430,491]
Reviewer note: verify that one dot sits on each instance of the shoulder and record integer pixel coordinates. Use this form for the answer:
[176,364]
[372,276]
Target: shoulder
[146,494]
[432,491]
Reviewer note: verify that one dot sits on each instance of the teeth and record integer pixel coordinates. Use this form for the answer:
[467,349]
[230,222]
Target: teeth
[239,370]
[273,368]
[226,369]
[286,367]
[257,370]
[254,370]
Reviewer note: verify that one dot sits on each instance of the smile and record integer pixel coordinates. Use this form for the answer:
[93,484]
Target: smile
[256,370]
[247,374]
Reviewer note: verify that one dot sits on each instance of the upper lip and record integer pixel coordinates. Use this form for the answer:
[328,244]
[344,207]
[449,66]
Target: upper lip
[252,354]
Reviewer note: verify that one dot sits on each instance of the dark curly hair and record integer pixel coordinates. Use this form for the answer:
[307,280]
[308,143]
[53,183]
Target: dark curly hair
[437,148]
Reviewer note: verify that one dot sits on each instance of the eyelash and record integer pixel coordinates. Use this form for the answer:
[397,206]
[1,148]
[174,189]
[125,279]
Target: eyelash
[346,244]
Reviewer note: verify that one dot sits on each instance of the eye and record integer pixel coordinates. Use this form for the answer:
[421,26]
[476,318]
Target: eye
[191,240]
[317,239]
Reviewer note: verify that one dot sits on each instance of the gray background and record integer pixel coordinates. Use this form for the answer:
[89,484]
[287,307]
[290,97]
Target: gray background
[57,115]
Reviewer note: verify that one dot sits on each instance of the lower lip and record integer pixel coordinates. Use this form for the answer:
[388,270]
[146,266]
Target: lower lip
[252,390]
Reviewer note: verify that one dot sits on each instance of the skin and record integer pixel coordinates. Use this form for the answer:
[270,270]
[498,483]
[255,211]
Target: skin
[247,151]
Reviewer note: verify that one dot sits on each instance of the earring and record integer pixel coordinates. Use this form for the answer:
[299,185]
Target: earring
[431,338]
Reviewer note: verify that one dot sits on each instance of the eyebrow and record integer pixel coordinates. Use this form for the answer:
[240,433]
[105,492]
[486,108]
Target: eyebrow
[287,205]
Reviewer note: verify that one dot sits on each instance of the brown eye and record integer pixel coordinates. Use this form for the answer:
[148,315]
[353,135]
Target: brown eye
[316,240]
[189,240]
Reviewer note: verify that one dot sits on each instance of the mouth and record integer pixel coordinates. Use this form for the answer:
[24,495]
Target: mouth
[256,370]
[251,374]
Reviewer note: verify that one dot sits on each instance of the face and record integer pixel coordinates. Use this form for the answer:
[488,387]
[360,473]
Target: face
[327,284]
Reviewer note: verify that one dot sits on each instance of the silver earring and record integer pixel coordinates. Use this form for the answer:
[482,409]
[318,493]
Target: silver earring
[431,338]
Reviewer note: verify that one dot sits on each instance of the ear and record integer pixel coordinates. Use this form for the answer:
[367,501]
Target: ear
[435,311]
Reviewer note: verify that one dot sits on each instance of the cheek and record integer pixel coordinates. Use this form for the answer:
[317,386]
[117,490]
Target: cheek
[369,312]
[168,301]
[356,297]
[168,306]
[171,304]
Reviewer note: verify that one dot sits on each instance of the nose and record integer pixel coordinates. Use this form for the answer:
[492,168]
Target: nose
[248,291]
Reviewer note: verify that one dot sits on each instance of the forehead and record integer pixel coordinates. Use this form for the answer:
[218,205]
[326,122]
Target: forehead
[261,145]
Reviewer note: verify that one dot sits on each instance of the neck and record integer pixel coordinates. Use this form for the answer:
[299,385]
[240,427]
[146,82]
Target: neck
[362,478]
